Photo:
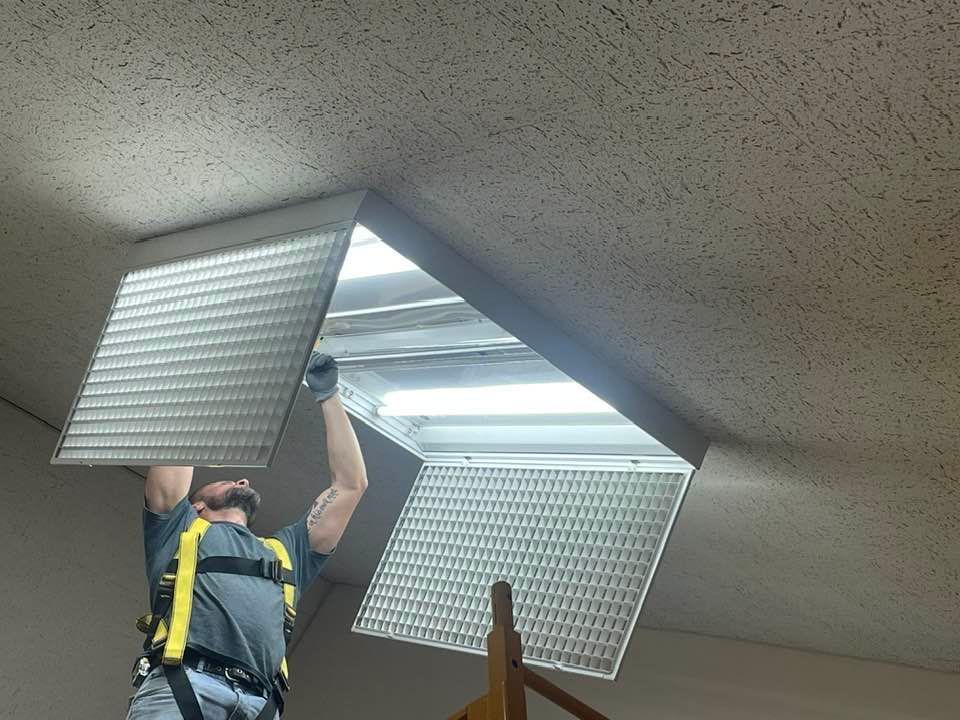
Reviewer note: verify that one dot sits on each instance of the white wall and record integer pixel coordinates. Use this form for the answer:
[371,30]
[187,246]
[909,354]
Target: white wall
[666,676]
[72,582]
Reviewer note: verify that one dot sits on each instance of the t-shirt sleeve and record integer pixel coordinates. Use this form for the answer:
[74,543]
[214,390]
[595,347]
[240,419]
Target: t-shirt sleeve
[161,536]
[307,563]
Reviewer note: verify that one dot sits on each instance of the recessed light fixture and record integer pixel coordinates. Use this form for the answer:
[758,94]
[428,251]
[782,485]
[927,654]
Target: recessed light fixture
[542,464]
[568,493]
[444,324]
[425,367]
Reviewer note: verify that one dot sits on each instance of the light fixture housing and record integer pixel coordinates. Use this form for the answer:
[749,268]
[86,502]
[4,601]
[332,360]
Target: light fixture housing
[528,476]
[152,423]
[562,476]
[486,320]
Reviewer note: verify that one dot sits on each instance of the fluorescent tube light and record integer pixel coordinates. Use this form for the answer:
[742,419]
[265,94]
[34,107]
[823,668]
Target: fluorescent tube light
[369,257]
[560,398]
[363,235]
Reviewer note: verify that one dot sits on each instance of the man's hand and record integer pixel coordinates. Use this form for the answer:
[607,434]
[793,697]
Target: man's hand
[166,486]
[321,376]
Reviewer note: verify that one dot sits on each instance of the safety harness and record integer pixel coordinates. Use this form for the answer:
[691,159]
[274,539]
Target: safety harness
[167,643]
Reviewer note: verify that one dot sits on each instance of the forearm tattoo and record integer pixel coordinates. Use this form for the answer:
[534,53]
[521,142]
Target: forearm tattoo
[319,505]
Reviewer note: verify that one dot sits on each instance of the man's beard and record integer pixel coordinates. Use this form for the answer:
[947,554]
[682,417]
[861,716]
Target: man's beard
[243,498]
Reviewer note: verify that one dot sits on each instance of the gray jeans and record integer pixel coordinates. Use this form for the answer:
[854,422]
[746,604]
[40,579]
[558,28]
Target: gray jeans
[219,698]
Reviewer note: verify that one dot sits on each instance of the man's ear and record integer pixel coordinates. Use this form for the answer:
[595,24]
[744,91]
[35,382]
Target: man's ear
[199,506]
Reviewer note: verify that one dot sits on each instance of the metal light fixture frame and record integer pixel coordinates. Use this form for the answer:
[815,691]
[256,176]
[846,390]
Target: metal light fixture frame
[504,308]
[439,260]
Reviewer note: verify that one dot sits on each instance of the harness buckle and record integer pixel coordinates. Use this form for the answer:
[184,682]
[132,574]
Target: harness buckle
[237,675]
[272,569]
[141,668]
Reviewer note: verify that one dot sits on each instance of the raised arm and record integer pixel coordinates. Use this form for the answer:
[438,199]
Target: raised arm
[334,507]
[166,486]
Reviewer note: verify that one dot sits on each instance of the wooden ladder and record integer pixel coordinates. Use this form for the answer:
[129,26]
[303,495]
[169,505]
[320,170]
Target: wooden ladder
[505,698]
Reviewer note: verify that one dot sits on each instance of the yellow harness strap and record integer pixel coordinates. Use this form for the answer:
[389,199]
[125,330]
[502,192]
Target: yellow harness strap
[289,591]
[187,554]
[173,636]
[160,636]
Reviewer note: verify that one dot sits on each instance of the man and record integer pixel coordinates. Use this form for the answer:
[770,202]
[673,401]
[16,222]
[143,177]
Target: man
[235,642]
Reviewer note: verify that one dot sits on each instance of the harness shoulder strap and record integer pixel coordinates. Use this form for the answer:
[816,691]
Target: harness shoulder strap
[187,555]
[289,590]
[173,636]
[289,601]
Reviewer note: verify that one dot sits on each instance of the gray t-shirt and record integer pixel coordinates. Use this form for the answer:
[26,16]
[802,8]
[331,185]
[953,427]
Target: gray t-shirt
[236,619]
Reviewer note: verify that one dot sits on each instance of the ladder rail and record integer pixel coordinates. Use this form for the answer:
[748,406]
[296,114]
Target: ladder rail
[507,677]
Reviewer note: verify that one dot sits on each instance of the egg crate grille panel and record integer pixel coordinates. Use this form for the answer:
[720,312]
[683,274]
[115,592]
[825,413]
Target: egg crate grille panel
[200,359]
[579,546]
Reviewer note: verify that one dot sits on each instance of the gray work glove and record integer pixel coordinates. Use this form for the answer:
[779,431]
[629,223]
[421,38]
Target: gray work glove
[321,376]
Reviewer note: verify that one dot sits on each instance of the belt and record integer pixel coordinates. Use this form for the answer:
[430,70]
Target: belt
[245,679]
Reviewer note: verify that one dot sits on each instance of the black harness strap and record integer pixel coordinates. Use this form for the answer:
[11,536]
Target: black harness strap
[189,706]
[183,692]
[269,710]
[263,568]
[161,606]
[177,678]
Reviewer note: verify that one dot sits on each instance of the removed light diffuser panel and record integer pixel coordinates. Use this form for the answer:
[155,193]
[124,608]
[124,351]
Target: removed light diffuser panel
[578,544]
[200,358]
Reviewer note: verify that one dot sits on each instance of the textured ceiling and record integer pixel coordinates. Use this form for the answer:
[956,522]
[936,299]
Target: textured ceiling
[749,207]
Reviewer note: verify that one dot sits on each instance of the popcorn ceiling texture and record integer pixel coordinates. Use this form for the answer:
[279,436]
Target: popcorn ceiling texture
[750,208]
